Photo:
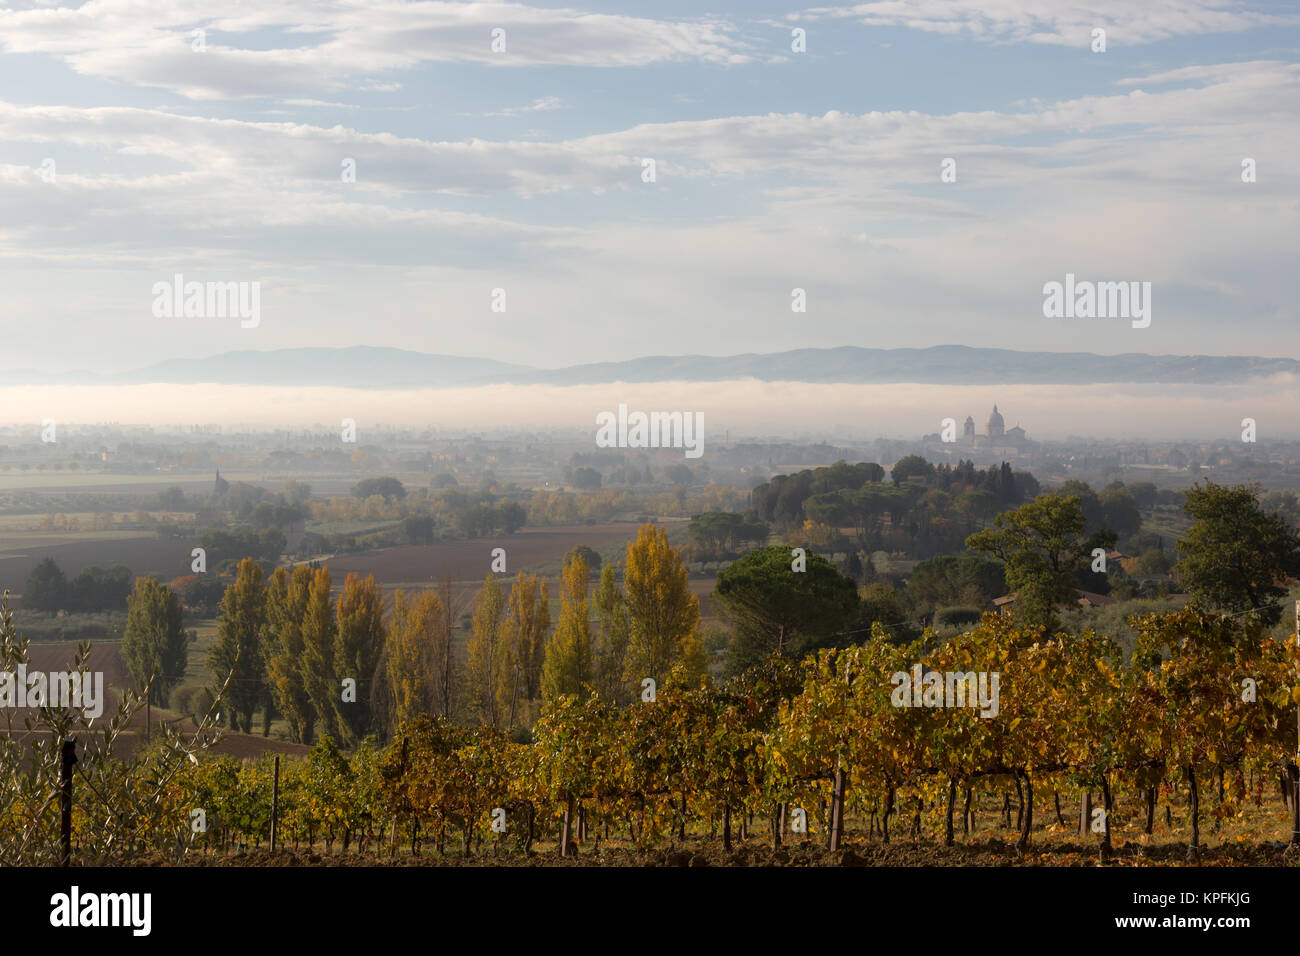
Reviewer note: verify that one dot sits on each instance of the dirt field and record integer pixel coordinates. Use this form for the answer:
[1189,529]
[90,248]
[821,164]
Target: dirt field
[533,550]
[860,851]
[144,554]
[106,658]
[468,561]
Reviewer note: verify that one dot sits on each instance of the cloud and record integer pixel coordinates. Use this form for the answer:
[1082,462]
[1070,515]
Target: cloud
[1058,23]
[340,45]
[1138,183]
[542,105]
[792,158]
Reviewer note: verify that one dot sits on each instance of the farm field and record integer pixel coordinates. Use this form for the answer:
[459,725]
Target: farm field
[105,656]
[143,552]
[469,561]
[58,482]
[534,551]
[25,540]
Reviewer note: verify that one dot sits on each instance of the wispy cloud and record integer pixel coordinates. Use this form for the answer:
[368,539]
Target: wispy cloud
[543,105]
[364,161]
[335,45]
[1058,23]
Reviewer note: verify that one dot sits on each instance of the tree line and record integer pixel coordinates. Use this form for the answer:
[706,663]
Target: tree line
[354,666]
[93,589]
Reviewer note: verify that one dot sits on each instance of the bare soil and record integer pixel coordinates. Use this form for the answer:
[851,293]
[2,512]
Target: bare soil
[468,561]
[710,853]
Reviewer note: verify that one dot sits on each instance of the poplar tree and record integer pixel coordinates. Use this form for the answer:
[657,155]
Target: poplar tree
[411,659]
[286,607]
[611,642]
[155,640]
[318,653]
[569,667]
[527,622]
[358,646]
[662,611]
[444,657]
[489,657]
[238,647]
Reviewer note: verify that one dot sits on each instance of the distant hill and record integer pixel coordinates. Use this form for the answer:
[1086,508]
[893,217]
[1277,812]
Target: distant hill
[375,368]
[942,364]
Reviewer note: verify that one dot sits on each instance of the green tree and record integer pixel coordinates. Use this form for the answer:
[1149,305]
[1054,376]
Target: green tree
[722,532]
[287,597]
[910,466]
[527,621]
[777,610]
[46,588]
[418,529]
[318,653]
[295,492]
[411,658]
[1094,515]
[881,605]
[390,488]
[238,647]
[612,639]
[1153,561]
[1043,545]
[155,641]
[1120,512]
[1236,556]
[100,589]
[358,647]
[588,554]
[488,666]
[569,664]
[949,580]
[1143,493]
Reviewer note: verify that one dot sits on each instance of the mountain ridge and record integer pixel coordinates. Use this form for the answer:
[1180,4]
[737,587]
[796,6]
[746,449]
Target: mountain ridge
[374,367]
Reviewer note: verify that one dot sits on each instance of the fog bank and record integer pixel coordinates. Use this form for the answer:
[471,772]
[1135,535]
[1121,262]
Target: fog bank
[744,408]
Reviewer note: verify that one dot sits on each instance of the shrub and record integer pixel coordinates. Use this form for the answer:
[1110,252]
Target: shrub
[957,615]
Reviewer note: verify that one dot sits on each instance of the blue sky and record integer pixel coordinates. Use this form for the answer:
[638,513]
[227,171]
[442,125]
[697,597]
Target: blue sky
[522,170]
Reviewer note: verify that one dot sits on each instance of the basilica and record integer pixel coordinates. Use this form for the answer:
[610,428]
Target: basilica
[996,434]
[997,443]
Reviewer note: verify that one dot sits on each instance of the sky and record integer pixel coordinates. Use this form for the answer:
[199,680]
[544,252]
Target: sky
[133,149]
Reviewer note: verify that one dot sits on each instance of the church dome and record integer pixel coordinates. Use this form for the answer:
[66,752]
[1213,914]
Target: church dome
[996,424]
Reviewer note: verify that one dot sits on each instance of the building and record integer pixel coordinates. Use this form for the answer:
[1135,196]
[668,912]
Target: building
[998,441]
[996,435]
[994,429]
